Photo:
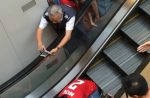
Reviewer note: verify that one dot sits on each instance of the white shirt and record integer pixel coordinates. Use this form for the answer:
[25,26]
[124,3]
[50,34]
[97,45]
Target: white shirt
[69,24]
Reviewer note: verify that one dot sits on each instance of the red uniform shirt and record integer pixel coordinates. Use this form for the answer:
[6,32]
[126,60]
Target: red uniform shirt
[69,3]
[64,2]
[79,89]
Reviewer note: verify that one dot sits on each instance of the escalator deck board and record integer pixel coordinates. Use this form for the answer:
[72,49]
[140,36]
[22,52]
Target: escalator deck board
[146,7]
[124,55]
[138,30]
[106,77]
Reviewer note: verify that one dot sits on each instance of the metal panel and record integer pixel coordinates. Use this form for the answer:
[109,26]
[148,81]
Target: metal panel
[106,77]
[138,29]
[9,63]
[146,7]
[124,55]
[28,5]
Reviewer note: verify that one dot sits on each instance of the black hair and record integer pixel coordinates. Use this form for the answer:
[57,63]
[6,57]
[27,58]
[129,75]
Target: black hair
[135,84]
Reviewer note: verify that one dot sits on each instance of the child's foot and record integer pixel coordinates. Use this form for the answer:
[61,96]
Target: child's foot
[93,24]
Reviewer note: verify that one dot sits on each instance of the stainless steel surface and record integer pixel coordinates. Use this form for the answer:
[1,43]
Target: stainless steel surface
[105,76]
[92,51]
[146,7]
[137,29]
[124,55]
[28,5]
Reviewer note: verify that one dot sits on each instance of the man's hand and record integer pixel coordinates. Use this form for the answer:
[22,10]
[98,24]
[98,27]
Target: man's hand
[144,47]
[41,47]
[54,51]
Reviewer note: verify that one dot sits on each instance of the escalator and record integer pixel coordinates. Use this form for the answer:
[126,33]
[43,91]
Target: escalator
[120,57]
[46,79]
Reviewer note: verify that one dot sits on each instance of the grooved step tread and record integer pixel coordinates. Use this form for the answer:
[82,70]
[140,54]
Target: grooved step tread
[124,55]
[138,30]
[106,77]
[146,7]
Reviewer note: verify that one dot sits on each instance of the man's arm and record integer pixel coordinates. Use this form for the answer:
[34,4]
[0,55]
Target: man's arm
[69,29]
[39,39]
[39,32]
[67,37]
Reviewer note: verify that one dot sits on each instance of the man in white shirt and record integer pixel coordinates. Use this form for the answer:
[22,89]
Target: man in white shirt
[62,19]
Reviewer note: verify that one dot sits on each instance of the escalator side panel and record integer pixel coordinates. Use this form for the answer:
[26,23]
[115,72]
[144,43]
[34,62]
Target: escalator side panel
[124,55]
[106,77]
[138,30]
[146,7]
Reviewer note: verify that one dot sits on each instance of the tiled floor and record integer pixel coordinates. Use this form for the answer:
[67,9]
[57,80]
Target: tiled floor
[146,73]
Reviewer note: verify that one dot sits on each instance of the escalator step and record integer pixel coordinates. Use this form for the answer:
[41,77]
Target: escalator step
[124,55]
[138,30]
[146,7]
[106,77]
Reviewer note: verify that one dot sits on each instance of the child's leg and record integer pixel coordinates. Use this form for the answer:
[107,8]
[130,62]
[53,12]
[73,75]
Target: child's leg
[91,20]
[95,9]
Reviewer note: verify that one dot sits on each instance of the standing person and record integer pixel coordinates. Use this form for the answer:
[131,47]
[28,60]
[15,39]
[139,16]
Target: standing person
[104,6]
[144,47]
[62,18]
[93,10]
[91,16]
[136,86]
[69,3]
[80,88]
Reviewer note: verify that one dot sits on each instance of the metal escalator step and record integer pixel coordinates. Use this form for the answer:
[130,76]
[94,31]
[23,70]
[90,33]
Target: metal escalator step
[146,7]
[138,30]
[106,77]
[124,55]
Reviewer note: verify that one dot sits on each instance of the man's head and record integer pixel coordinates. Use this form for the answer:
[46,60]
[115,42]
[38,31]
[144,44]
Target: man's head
[55,13]
[135,85]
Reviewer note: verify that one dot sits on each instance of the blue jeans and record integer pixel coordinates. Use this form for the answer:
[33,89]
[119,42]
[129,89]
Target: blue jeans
[95,94]
[103,6]
[56,2]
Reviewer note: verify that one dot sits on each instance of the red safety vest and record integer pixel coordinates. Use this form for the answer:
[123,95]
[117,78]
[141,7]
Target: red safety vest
[79,89]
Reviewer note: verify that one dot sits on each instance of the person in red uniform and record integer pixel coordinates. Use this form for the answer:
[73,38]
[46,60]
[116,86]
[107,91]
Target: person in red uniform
[80,88]
[69,3]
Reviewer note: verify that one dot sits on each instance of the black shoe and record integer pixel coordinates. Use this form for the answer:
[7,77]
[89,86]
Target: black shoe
[108,96]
